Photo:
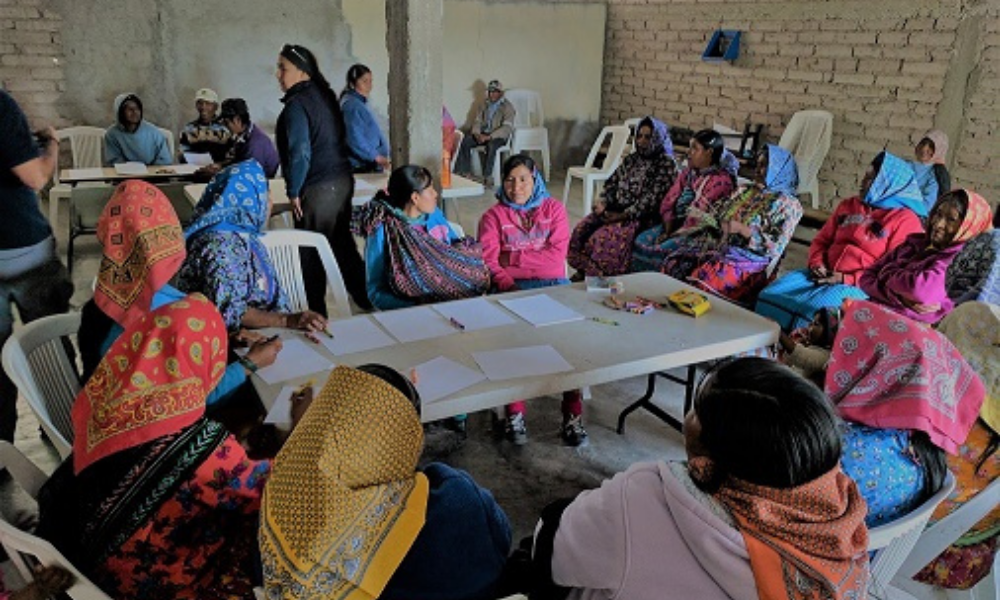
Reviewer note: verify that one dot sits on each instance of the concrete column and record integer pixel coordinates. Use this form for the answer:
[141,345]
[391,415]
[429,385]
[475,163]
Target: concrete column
[413,37]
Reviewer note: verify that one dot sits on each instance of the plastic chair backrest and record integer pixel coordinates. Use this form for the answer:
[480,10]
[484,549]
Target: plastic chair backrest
[170,143]
[458,135]
[936,538]
[633,127]
[458,229]
[37,361]
[25,473]
[528,107]
[894,541]
[283,248]
[175,193]
[86,145]
[808,137]
[86,206]
[619,138]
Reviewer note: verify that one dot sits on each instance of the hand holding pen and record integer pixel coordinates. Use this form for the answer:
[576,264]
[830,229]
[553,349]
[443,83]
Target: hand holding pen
[263,353]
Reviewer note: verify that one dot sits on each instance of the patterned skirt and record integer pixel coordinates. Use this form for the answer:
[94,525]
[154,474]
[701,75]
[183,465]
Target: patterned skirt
[647,254]
[731,272]
[597,248]
[793,299]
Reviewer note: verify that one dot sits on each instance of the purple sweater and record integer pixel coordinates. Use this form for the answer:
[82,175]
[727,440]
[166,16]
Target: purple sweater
[915,272]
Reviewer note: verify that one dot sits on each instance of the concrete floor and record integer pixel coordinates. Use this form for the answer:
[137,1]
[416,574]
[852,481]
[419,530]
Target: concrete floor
[523,479]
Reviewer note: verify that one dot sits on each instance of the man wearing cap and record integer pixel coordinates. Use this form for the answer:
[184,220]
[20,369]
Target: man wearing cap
[249,141]
[206,134]
[493,125]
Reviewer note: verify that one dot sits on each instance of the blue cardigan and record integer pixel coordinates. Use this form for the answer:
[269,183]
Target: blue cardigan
[365,139]
[377,266]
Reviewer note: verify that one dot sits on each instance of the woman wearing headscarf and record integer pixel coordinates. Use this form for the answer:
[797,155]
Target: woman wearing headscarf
[909,398]
[348,514]
[226,260]
[143,247]
[602,243]
[709,178]
[760,509]
[859,232]
[731,250]
[312,145]
[132,138]
[156,500]
[974,275]
[910,279]
[974,329]
[929,167]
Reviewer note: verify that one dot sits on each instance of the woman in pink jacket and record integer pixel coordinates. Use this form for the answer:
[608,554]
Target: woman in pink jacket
[525,236]
[761,509]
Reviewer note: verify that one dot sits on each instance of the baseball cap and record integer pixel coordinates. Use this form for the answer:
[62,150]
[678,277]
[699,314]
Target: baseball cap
[207,95]
[494,86]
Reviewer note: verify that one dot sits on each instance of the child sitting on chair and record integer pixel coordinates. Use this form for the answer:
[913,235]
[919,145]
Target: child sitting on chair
[807,349]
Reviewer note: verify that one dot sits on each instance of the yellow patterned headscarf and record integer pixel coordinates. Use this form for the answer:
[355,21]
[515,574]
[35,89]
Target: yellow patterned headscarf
[974,328]
[344,502]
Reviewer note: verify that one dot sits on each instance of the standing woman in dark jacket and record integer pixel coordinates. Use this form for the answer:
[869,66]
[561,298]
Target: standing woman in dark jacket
[313,149]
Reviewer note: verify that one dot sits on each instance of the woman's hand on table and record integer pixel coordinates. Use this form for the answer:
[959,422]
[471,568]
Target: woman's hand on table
[308,321]
[263,353]
[301,401]
[246,337]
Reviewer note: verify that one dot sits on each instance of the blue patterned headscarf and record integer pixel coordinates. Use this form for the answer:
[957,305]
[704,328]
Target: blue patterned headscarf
[235,200]
[782,174]
[539,193]
[661,136]
[895,186]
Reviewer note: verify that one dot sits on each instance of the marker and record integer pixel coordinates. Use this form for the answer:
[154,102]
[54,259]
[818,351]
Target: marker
[327,333]
[270,339]
[604,321]
[456,323]
[303,387]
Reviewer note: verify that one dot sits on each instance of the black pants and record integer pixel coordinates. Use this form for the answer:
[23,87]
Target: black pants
[326,209]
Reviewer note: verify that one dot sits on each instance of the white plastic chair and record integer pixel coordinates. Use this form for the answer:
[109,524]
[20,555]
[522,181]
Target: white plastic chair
[633,127]
[590,174]
[458,135]
[458,229]
[36,360]
[808,137]
[529,128]
[936,538]
[283,249]
[170,143]
[894,541]
[26,550]
[87,150]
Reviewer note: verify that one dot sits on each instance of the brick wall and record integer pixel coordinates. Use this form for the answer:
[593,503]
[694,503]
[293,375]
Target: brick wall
[887,76]
[31,58]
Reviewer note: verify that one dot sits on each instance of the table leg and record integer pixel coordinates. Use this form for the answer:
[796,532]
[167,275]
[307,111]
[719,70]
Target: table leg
[646,401]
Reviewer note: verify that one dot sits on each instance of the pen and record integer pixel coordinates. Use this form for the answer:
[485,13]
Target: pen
[270,339]
[327,333]
[303,387]
[456,323]
[604,321]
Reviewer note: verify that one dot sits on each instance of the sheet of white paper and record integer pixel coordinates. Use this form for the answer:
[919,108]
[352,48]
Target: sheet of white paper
[281,410]
[521,362]
[443,377]
[296,359]
[475,313]
[131,168]
[354,335]
[362,185]
[85,173]
[184,169]
[418,323]
[541,309]
[201,159]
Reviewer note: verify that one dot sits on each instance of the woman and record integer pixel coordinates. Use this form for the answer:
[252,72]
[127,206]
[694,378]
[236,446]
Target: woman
[369,150]
[412,254]
[143,248]
[347,513]
[974,275]
[733,248]
[156,500]
[929,166]
[132,138]
[763,452]
[705,182]
[318,179]
[602,243]
[525,236]
[910,279]
[974,328]
[859,232]
[226,260]
[909,398]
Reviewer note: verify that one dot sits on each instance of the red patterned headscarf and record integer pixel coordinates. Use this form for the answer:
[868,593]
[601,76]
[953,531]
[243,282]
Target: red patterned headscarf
[143,249]
[804,542]
[152,382]
[977,218]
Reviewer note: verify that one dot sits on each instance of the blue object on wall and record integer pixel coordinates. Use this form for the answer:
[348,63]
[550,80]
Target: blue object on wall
[724,46]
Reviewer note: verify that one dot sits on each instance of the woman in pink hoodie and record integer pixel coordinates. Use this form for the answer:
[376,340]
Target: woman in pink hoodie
[525,236]
[761,509]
